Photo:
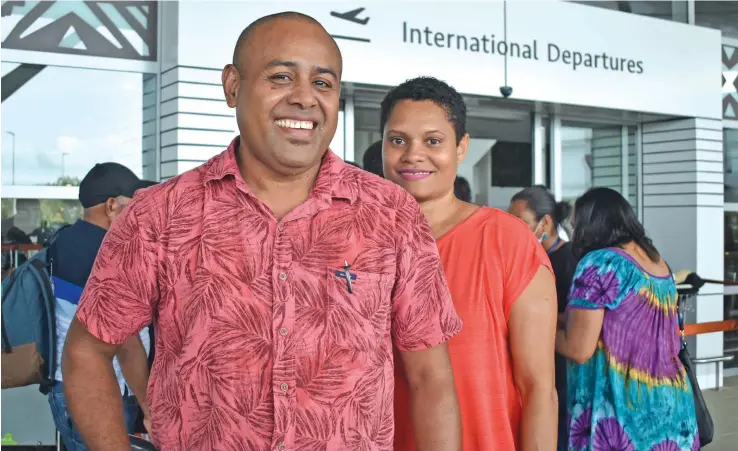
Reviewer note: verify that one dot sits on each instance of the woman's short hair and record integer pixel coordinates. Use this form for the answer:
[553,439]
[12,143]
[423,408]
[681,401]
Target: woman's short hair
[602,219]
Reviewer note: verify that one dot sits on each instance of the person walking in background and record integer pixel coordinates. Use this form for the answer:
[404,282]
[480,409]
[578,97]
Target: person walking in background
[104,193]
[279,277]
[499,276]
[462,190]
[537,207]
[627,390]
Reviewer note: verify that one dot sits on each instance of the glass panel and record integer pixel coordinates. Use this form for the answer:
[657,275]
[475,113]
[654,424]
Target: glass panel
[668,10]
[59,122]
[731,274]
[590,156]
[32,221]
[720,15]
[730,164]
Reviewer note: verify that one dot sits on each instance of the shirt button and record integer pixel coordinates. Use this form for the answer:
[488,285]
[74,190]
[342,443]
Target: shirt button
[283,331]
[282,276]
[281,446]
[283,387]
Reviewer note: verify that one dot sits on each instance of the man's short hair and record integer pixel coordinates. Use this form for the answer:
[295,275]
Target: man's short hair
[245,36]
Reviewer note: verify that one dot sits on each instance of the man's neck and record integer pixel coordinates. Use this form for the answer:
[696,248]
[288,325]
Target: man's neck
[282,193]
[96,219]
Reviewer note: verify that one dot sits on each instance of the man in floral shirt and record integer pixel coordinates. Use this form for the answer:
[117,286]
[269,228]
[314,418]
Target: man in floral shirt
[279,278]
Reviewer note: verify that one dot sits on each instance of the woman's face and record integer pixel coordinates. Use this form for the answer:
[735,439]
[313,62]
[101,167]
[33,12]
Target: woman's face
[419,149]
[519,209]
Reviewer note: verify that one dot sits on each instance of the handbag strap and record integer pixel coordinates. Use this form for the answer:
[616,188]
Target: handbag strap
[680,311]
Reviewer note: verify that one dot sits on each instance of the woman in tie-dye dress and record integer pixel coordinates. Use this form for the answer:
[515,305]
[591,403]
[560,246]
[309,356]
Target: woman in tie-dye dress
[627,389]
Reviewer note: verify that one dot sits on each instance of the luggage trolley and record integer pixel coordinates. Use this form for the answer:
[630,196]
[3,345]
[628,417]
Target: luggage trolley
[688,287]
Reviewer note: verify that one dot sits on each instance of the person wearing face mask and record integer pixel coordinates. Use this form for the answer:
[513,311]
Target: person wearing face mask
[499,276]
[537,207]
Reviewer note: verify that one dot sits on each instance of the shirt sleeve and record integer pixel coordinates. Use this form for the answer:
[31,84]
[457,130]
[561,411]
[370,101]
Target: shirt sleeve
[522,256]
[423,314]
[120,296]
[596,283]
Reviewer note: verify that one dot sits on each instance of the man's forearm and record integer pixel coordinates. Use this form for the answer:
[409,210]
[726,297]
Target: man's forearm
[435,416]
[538,427]
[94,400]
[134,364]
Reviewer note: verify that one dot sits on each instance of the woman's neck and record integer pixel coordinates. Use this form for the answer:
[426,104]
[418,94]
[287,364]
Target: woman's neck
[444,213]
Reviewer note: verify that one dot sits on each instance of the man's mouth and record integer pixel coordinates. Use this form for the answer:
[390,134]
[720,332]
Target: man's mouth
[294,124]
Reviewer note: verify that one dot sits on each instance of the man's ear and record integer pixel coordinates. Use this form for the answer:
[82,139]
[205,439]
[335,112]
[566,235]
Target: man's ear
[231,83]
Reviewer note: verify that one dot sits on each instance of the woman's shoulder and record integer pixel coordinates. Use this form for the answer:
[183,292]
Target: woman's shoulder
[609,258]
[499,222]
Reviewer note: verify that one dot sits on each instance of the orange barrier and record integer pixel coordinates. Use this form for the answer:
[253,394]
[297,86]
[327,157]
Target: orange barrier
[710,327]
[21,247]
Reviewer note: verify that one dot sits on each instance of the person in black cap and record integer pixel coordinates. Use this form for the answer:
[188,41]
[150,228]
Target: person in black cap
[104,193]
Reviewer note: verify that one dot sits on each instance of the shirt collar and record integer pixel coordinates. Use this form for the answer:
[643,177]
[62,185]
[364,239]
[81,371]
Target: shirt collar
[330,184]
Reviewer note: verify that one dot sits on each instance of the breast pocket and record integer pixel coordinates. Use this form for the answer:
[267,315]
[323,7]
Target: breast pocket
[358,315]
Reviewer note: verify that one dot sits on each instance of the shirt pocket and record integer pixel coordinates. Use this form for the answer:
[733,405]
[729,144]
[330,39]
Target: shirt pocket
[357,318]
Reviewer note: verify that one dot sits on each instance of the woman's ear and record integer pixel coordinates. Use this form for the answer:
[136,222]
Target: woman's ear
[462,149]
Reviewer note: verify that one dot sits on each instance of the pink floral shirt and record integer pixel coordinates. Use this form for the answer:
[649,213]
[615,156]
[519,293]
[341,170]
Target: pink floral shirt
[260,342]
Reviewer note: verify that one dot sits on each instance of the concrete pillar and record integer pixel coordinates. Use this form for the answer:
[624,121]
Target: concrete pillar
[683,214]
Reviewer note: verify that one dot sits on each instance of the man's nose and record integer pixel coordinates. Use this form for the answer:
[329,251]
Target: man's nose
[303,93]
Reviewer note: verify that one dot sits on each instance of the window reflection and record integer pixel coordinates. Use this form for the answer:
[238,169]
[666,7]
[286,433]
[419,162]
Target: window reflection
[720,15]
[61,121]
[730,164]
[671,10]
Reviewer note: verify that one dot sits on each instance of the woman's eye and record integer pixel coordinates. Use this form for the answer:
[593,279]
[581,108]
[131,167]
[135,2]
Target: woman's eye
[396,141]
[434,141]
[322,84]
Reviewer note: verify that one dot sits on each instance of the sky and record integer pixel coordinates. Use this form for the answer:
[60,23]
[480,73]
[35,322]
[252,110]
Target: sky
[78,116]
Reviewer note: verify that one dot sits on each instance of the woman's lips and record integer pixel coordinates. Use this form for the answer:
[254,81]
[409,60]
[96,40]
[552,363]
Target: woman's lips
[414,175]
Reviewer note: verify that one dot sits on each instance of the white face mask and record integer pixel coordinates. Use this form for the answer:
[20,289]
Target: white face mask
[543,236]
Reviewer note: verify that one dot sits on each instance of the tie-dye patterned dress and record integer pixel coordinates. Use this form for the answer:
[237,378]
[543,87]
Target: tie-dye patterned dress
[633,394]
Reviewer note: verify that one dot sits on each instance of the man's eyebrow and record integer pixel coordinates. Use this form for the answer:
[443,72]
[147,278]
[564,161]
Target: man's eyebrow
[292,65]
[278,63]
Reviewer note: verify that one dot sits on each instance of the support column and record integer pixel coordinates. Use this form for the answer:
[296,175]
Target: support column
[149,119]
[683,214]
[196,123]
[556,158]
[538,141]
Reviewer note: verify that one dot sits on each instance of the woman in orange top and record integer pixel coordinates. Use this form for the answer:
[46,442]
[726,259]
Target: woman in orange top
[500,279]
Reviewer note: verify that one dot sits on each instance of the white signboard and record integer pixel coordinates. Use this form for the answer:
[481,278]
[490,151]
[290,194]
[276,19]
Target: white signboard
[556,52]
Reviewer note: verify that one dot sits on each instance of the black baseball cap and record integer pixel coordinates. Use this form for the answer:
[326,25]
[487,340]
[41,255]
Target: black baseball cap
[106,180]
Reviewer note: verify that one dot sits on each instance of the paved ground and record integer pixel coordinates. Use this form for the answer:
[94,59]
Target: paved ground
[723,407]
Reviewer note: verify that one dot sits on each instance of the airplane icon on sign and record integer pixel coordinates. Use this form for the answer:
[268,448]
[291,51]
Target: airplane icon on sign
[352,16]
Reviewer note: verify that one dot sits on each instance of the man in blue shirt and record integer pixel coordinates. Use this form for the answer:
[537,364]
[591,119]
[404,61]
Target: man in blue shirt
[104,193]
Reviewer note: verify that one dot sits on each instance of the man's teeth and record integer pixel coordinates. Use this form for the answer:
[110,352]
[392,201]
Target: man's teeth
[286,123]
